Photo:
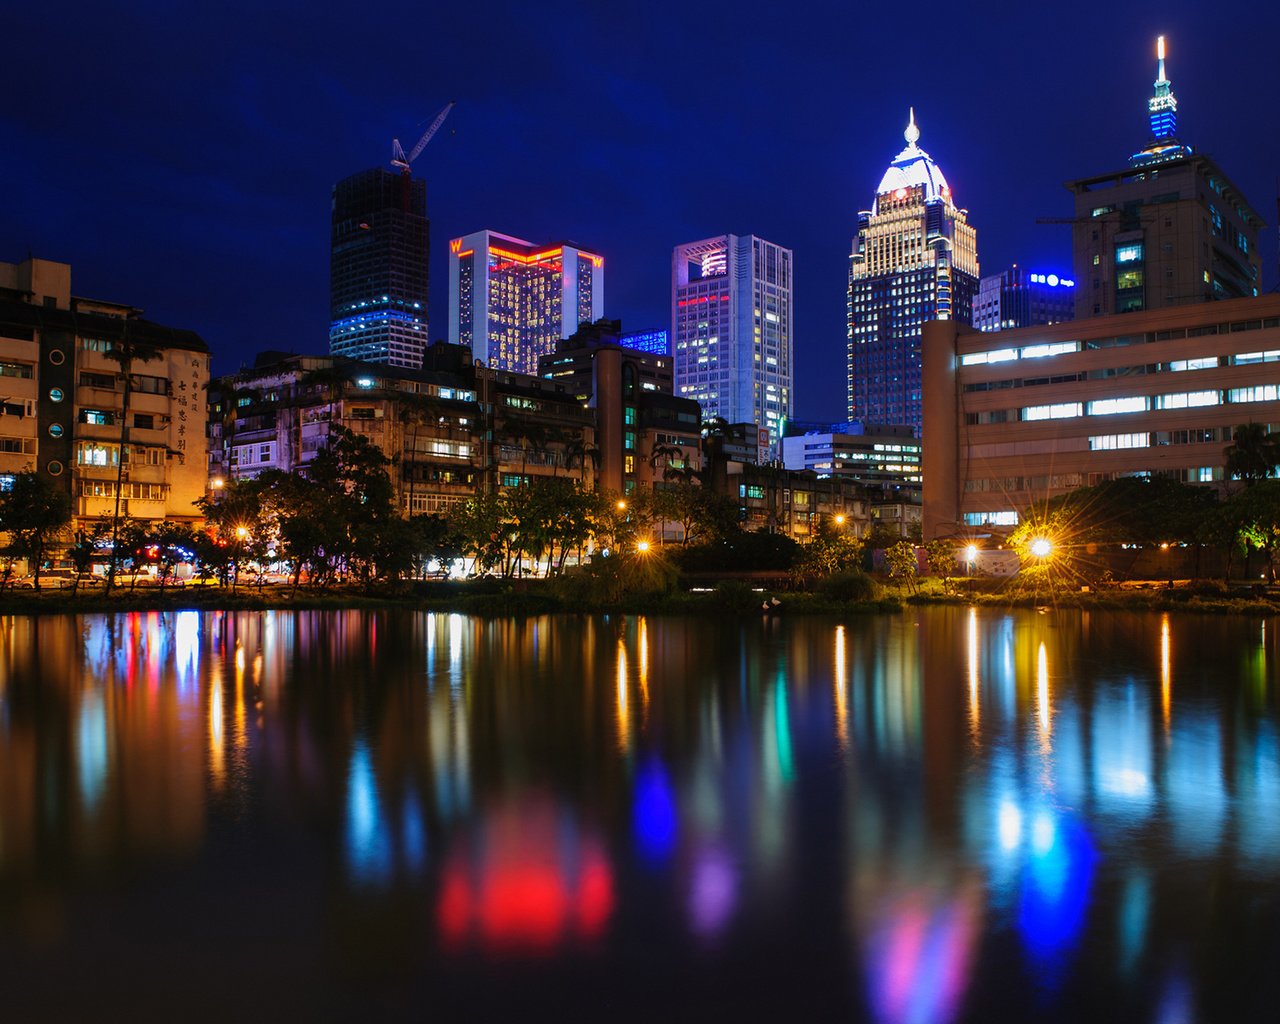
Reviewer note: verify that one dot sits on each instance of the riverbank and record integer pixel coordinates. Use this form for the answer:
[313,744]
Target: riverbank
[537,597]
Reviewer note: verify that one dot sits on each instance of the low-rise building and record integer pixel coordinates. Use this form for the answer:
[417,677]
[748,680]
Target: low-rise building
[1016,418]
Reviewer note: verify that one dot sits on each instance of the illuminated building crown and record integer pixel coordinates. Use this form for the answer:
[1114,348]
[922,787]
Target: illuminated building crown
[1162,110]
[913,168]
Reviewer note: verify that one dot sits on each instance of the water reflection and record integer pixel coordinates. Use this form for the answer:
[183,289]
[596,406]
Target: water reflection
[948,797]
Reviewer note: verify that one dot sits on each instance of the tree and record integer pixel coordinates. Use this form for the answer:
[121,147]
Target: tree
[83,552]
[1253,453]
[172,541]
[663,454]
[702,515]
[833,549]
[940,556]
[33,512]
[126,352]
[901,559]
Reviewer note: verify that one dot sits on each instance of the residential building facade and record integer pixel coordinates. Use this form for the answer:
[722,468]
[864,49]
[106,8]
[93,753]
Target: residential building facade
[378,268]
[732,329]
[70,413]
[511,302]
[914,259]
[1037,412]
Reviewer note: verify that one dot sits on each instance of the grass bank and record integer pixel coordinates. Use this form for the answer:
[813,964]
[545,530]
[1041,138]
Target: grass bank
[493,598]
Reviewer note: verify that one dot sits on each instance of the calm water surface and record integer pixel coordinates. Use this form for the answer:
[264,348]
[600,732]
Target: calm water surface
[943,815]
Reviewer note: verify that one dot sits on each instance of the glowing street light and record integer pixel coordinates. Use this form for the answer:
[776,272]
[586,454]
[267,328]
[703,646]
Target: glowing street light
[242,532]
[971,554]
[622,505]
[216,483]
[642,546]
[840,519]
[1041,547]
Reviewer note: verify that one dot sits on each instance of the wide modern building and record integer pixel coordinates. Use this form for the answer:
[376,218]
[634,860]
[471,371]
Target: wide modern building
[1016,419]
[1168,230]
[885,459]
[731,329]
[1018,297]
[378,264]
[914,259]
[511,301]
[98,401]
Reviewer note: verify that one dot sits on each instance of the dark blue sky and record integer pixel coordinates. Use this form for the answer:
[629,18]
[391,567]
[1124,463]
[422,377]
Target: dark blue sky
[180,156]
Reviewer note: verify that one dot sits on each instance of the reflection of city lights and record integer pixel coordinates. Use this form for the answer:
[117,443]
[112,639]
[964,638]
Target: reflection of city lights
[1166,674]
[974,719]
[643,643]
[842,690]
[368,852]
[1042,834]
[1009,824]
[1042,688]
[623,720]
[713,892]
[530,882]
[654,813]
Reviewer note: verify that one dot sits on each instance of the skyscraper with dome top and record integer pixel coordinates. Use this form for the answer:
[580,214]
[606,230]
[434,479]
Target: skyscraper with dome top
[914,259]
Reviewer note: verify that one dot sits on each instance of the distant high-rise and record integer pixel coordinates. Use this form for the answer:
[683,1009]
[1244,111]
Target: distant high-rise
[1168,230]
[378,268]
[654,342]
[914,259]
[511,301]
[731,317]
[1023,298]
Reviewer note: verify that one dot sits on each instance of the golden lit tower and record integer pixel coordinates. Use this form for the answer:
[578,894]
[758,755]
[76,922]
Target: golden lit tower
[914,259]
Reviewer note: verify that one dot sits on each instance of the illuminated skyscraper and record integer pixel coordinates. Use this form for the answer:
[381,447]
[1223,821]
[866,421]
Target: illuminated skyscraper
[731,329]
[914,259]
[511,301]
[378,268]
[1168,230]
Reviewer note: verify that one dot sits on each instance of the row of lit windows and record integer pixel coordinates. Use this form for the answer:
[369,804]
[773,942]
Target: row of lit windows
[1149,403]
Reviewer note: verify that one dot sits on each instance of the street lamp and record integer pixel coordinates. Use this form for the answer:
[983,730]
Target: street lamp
[642,546]
[622,505]
[241,532]
[840,519]
[1041,548]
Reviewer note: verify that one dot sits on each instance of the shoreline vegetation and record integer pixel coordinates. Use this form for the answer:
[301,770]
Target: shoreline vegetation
[505,597]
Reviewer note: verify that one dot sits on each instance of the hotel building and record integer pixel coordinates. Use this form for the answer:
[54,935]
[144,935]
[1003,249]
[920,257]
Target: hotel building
[731,329]
[914,259]
[1020,417]
[1168,230]
[511,301]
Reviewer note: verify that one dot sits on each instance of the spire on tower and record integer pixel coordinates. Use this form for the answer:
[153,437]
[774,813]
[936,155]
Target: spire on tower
[912,134]
[1162,112]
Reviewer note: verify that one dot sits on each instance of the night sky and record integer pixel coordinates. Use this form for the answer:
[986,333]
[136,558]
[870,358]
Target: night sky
[181,157]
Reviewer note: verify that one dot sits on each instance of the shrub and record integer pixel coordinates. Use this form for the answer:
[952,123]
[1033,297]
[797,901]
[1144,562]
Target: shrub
[736,596]
[850,585]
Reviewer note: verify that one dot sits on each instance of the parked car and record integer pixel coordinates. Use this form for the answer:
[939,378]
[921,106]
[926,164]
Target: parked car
[136,579]
[50,579]
[201,581]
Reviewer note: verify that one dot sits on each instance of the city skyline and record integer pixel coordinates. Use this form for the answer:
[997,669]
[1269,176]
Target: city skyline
[217,184]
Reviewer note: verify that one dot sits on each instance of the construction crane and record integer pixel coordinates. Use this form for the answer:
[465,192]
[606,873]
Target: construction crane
[398,159]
